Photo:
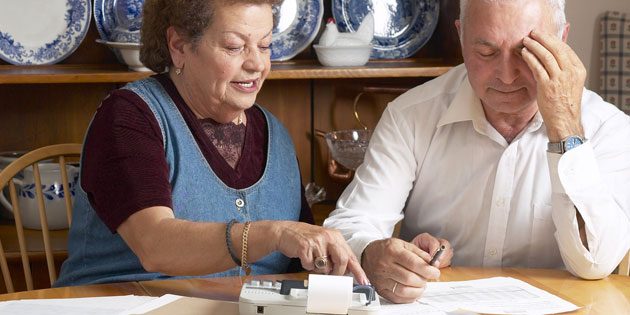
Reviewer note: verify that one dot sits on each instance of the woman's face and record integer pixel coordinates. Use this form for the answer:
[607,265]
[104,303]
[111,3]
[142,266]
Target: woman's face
[223,75]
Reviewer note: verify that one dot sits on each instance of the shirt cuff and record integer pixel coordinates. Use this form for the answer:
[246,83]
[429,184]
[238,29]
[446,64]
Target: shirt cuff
[574,171]
[358,244]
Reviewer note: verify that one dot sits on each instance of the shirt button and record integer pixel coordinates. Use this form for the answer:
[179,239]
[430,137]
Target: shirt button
[240,203]
[493,252]
[500,202]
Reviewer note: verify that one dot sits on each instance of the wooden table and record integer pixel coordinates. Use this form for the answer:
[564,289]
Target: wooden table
[608,296]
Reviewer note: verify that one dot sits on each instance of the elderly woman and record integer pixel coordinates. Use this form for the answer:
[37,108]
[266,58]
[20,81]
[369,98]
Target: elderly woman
[181,174]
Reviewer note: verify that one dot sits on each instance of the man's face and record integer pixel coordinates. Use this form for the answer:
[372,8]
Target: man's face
[491,45]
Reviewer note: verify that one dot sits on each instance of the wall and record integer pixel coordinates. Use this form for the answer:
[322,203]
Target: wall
[584,33]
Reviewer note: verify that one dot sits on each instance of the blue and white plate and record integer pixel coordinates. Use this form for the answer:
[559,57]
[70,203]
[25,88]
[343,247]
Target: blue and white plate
[39,32]
[401,27]
[296,25]
[118,20]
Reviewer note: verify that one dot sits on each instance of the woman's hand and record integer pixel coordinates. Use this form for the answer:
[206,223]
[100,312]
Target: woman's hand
[319,249]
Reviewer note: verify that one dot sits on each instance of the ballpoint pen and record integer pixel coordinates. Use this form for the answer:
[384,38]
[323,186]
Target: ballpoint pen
[437,255]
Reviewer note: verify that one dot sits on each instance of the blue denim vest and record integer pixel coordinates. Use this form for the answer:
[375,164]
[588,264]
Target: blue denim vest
[95,255]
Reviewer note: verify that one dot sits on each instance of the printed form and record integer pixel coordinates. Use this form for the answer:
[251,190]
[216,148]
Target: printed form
[499,295]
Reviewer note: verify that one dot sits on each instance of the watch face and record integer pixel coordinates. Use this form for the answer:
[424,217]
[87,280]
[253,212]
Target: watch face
[571,143]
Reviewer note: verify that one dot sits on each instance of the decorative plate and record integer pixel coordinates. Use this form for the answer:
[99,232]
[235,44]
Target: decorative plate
[118,20]
[296,23]
[401,27]
[40,32]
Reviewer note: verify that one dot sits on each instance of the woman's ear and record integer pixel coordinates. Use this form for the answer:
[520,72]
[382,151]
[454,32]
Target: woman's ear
[176,45]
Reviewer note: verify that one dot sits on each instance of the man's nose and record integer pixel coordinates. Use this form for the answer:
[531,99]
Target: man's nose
[508,68]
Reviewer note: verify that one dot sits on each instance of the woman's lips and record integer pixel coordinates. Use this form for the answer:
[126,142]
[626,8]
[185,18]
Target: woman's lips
[246,86]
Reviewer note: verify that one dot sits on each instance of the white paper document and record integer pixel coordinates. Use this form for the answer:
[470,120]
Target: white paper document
[389,308]
[500,295]
[106,305]
[152,305]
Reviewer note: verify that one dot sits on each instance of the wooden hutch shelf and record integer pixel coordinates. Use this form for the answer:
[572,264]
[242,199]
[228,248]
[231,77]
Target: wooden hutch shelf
[395,68]
[68,73]
[282,70]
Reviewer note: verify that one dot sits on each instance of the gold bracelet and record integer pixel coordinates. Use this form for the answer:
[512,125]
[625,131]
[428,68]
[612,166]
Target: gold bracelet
[244,265]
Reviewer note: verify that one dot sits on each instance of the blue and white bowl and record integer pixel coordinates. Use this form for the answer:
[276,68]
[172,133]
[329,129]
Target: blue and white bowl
[127,53]
[118,20]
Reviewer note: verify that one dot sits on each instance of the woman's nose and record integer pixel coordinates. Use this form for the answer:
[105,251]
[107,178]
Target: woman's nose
[255,61]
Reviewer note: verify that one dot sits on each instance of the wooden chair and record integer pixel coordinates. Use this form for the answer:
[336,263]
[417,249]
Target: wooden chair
[624,266]
[60,151]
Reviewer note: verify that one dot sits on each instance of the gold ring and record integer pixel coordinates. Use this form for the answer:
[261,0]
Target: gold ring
[321,262]
[394,288]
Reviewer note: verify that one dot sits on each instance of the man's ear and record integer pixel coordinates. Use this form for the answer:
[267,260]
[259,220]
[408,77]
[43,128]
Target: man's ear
[458,26]
[176,47]
[565,32]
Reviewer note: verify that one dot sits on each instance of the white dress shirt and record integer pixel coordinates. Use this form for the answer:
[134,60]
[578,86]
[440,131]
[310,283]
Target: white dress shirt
[436,161]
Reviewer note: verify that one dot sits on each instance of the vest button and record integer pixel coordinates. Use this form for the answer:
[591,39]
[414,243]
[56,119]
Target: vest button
[240,203]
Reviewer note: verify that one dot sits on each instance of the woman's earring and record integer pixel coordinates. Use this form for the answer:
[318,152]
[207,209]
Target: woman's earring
[178,71]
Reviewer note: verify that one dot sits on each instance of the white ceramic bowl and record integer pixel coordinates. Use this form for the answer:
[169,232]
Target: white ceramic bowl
[343,56]
[129,53]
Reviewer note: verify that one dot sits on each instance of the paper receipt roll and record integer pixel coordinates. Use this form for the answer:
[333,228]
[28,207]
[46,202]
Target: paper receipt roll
[329,294]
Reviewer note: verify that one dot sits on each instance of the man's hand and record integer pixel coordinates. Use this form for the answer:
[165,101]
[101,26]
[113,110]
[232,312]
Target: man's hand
[430,244]
[398,269]
[560,75]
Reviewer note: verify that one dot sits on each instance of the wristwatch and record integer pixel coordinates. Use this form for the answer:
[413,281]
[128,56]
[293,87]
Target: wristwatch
[565,144]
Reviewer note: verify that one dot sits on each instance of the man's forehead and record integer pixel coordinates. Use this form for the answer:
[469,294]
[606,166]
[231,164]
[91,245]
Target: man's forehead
[497,23]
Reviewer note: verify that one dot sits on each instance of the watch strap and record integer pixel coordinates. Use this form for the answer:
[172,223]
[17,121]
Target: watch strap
[555,147]
[561,147]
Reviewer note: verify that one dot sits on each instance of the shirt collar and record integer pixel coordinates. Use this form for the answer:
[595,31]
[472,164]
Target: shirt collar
[466,106]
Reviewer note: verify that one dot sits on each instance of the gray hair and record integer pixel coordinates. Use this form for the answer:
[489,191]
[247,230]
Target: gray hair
[556,8]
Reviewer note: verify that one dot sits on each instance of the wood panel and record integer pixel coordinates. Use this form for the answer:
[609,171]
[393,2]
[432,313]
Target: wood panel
[35,115]
[289,101]
[39,269]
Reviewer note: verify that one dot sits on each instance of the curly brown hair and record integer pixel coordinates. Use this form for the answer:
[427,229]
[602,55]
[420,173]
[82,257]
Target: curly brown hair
[191,18]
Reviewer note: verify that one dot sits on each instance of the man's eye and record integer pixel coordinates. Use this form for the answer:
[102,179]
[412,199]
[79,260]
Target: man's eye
[486,54]
[234,49]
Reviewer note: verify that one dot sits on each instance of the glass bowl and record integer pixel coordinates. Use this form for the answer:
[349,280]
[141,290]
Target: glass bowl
[348,147]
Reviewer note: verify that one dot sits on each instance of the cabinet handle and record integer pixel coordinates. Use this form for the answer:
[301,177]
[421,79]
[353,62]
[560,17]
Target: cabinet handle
[375,90]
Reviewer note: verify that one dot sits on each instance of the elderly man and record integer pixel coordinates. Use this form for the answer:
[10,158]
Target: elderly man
[507,156]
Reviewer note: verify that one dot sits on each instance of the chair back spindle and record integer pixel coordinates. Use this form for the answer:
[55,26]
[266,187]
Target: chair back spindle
[31,159]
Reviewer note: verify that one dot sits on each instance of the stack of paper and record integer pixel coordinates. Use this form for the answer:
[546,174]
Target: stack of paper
[119,305]
[498,295]
[108,305]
